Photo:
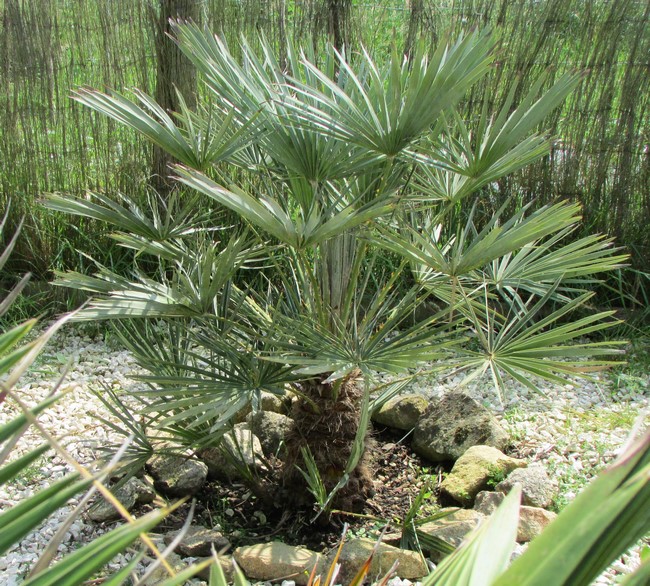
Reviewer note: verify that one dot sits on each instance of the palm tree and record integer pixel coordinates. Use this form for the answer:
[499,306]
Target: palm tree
[340,162]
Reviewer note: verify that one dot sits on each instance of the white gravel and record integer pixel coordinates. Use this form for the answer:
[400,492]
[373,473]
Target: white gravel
[574,430]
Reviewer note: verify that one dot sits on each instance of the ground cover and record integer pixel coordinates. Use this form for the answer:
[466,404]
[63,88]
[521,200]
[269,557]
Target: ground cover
[573,432]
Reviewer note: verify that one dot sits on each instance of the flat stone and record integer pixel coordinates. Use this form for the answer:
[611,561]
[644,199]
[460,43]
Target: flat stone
[198,541]
[356,551]
[177,476]
[402,412]
[276,561]
[537,489]
[452,425]
[452,529]
[473,470]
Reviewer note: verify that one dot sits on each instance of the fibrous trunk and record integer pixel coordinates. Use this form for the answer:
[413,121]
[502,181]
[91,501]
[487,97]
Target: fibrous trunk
[326,422]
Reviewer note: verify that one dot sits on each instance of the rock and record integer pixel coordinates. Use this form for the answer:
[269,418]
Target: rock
[402,412]
[270,428]
[160,574]
[487,502]
[268,402]
[532,521]
[356,551]
[198,541]
[177,476]
[537,488]
[226,565]
[104,511]
[145,493]
[472,471]
[451,529]
[244,449]
[275,561]
[452,425]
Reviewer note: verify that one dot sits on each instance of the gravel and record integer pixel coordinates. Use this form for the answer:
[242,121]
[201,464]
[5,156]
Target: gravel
[573,429]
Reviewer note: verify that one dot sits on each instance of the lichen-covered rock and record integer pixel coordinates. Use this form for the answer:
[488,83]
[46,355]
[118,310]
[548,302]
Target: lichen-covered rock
[177,476]
[356,551]
[239,448]
[402,412]
[537,489]
[473,469]
[452,425]
[270,561]
[270,428]
[198,541]
[451,529]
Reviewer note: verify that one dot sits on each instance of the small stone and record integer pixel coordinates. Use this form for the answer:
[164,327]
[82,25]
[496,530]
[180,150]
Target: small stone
[532,521]
[177,476]
[537,488]
[198,541]
[402,412]
[472,471]
[452,529]
[104,511]
[242,448]
[271,429]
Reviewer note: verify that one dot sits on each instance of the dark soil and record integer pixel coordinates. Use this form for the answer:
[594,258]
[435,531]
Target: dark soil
[246,519]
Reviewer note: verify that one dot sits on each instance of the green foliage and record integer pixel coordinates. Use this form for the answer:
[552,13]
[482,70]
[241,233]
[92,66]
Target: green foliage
[336,156]
[16,356]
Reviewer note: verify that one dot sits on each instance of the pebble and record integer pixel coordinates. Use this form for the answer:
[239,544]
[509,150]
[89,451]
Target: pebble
[549,427]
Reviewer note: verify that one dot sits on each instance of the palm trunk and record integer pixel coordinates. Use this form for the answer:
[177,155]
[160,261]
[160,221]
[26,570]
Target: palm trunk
[326,422]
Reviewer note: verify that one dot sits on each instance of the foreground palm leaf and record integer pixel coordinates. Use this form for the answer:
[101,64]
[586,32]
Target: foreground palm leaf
[325,165]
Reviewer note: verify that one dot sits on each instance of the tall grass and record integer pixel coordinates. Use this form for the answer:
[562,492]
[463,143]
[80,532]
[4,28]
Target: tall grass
[49,143]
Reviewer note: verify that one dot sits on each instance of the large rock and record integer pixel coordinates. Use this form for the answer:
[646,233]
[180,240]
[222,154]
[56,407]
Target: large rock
[451,529]
[532,520]
[198,541]
[270,428]
[238,448]
[452,425]
[402,412]
[177,476]
[356,551]
[473,470]
[537,489]
[276,560]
